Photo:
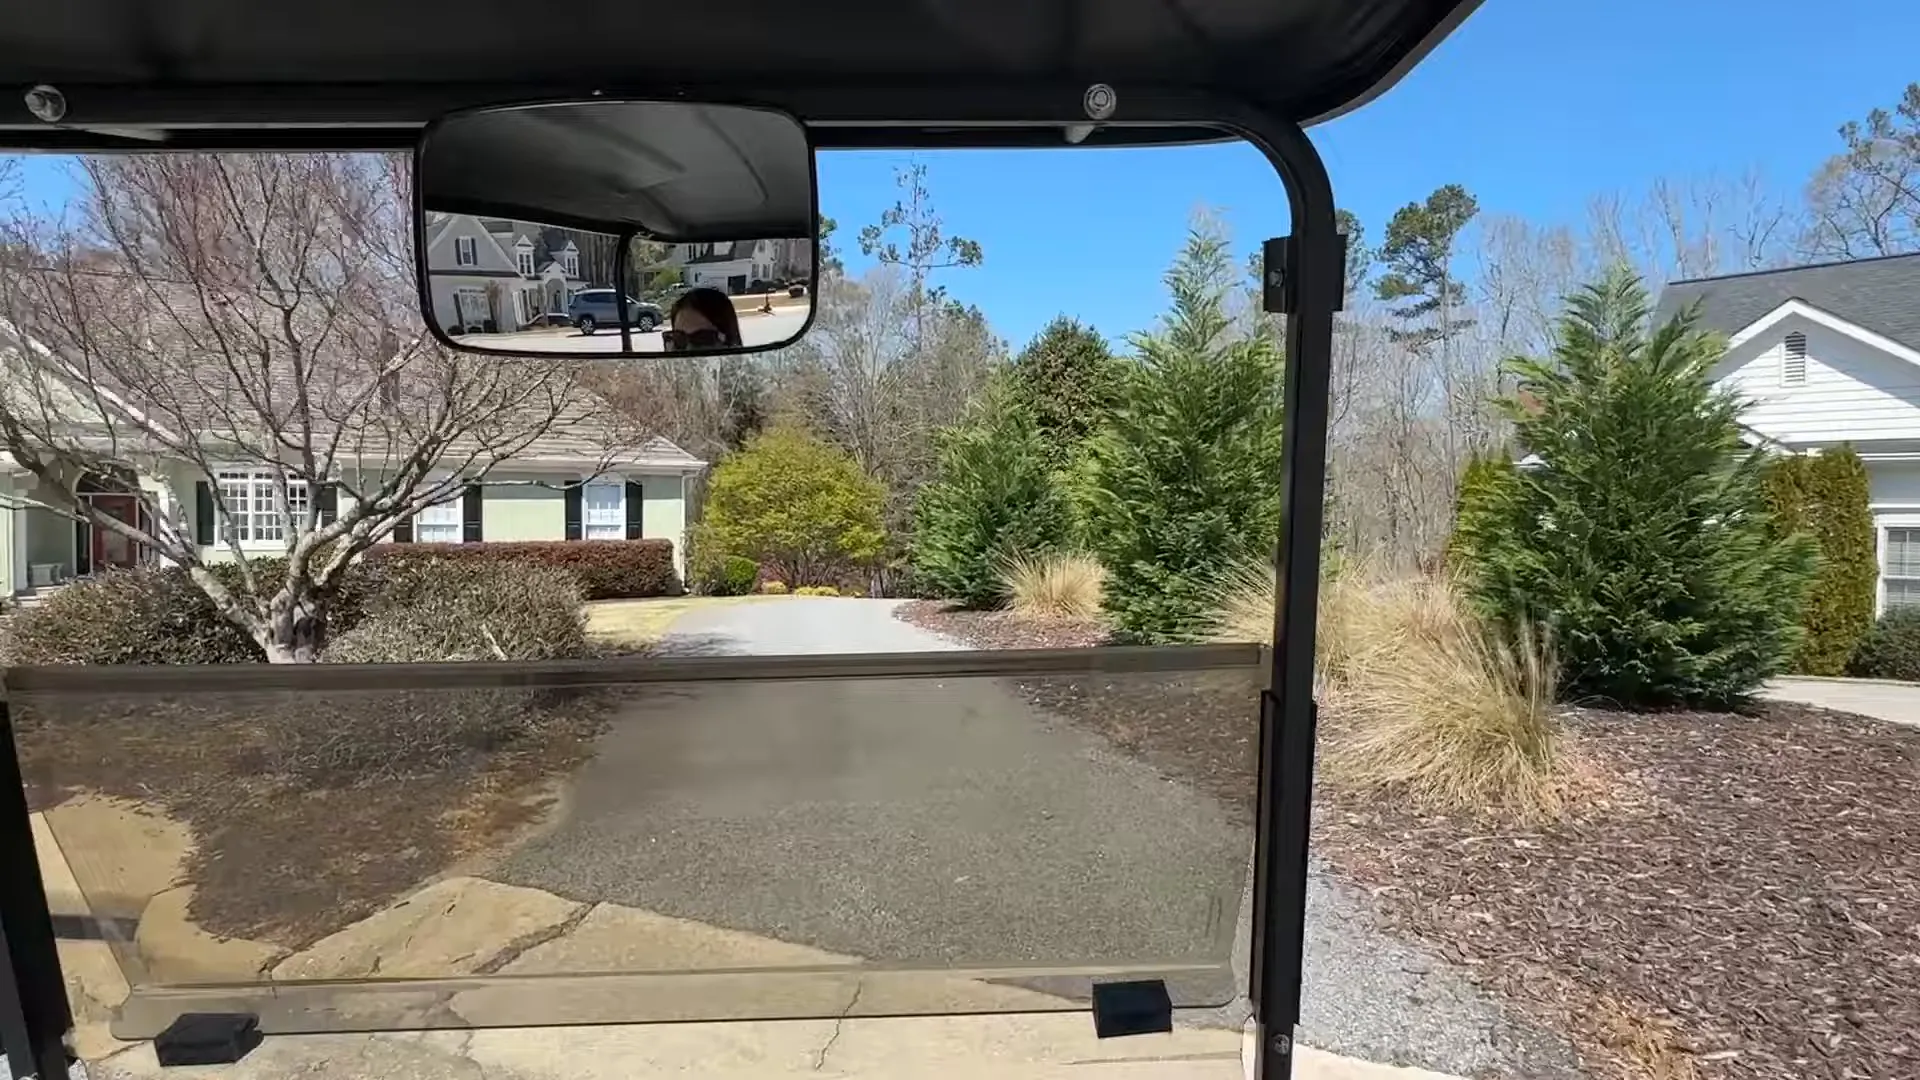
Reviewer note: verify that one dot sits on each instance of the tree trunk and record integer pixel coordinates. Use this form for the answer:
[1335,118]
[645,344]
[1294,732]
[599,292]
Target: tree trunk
[296,635]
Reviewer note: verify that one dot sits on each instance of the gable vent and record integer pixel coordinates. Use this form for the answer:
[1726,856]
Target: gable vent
[1793,362]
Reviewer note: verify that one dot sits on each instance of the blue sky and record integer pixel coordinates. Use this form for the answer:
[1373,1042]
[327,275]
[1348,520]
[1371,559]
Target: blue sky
[1533,106]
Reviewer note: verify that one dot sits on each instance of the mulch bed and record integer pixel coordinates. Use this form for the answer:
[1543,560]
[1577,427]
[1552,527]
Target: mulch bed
[1742,902]
[1001,629]
[1201,728]
[311,811]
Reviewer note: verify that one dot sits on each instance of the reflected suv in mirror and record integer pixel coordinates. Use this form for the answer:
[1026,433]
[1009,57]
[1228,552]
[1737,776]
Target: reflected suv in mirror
[593,308]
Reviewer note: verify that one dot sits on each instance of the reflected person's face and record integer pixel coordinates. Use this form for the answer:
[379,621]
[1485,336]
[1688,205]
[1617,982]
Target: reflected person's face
[692,330]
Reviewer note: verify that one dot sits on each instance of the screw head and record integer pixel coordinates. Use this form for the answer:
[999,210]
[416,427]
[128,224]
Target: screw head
[47,103]
[1100,101]
[1282,1044]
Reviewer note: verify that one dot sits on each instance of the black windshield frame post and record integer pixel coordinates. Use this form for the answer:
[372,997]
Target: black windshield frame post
[34,1014]
[1309,291]
[620,257]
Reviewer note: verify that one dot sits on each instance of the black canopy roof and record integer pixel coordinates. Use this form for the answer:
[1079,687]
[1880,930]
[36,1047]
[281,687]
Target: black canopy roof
[129,68]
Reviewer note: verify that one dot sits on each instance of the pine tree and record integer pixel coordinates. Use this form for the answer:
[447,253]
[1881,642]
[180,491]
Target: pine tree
[1181,485]
[1643,538]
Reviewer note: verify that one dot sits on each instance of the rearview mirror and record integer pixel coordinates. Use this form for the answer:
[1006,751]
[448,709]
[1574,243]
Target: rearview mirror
[608,228]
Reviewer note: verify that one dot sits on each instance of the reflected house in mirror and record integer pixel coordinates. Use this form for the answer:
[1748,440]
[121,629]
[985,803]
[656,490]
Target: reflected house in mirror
[492,275]
[742,267]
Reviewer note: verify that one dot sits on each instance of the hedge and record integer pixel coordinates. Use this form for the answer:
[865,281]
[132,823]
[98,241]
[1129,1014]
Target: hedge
[606,569]
[128,617]
[1826,496]
[1891,649]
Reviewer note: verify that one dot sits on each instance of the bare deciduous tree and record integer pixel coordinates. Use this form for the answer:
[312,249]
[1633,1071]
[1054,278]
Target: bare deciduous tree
[202,318]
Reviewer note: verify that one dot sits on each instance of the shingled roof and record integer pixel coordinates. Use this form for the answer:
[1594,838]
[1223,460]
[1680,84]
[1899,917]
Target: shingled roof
[1881,295]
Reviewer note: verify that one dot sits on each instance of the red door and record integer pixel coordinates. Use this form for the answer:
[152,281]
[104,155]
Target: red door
[110,547]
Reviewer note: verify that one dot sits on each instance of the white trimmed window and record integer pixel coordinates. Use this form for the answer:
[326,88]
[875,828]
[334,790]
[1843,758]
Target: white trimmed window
[439,523]
[466,251]
[603,507]
[1900,566]
[526,263]
[252,502]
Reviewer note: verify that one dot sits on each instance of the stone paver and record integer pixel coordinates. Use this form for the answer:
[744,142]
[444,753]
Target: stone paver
[459,926]
[174,949]
[1894,702]
[121,855]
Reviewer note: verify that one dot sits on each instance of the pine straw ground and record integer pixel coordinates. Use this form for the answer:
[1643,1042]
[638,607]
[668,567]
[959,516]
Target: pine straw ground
[1738,896]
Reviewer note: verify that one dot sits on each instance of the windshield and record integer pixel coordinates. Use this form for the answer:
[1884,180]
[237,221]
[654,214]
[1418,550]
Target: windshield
[915,668]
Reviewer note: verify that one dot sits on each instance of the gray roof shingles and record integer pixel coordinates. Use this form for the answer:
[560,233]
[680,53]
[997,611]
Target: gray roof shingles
[1881,295]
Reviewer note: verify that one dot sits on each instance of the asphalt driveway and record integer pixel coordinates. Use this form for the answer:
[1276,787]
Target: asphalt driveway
[948,822]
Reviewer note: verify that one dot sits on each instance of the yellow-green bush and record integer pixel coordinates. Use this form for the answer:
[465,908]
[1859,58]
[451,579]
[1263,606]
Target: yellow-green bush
[1827,498]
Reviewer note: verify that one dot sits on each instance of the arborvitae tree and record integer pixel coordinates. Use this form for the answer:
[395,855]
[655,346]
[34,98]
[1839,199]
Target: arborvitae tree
[1066,378]
[1827,496]
[1643,537]
[1181,485]
[993,497]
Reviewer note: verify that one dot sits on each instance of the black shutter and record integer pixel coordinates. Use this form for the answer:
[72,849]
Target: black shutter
[82,548]
[574,493]
[403,531]
[634,493]
[470,504]
[326,498]
[203,514]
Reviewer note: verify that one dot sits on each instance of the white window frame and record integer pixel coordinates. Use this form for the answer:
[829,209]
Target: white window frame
[603,519]
[466,251]
[1883,526]
[250,506]
[444,522]
[573,264]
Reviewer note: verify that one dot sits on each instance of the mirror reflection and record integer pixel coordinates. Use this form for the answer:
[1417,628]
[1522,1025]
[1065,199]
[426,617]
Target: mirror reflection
[615,228]
[509,285]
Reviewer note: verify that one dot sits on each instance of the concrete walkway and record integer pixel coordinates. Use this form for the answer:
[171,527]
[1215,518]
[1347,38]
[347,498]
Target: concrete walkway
[1894,702]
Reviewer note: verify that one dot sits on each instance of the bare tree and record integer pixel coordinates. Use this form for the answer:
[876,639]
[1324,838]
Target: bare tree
[1865,200]
[217,320]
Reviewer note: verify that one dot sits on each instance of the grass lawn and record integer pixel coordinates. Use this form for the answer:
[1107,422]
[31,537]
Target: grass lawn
[637,623]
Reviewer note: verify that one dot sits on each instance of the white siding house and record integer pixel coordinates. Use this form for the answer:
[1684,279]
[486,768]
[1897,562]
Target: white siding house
[509,274]
[1830,355]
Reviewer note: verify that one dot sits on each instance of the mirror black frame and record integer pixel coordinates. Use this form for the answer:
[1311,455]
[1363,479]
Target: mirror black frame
[422,284]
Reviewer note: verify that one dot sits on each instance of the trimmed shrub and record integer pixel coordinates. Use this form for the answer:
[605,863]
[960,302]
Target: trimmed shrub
[774,588]
[992,499]
[128,617]
[731,576]
[605,569]
[796,505]
[1827,497]
[1643,540]
[1891,649]
[471,610]
[816,590]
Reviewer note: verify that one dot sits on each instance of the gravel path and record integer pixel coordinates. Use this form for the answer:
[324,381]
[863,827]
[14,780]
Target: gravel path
[949,822]
[801,624]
